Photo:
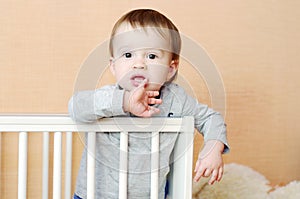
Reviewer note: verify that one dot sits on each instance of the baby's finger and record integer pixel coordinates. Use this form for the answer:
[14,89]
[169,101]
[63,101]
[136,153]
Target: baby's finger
[214,176]
[220,175]
[143,83]
[152,93]
[199,173]
[154,101]
[151,111]
[207,173]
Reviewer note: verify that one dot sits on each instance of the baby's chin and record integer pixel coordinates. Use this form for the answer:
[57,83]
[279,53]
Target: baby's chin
[153,87]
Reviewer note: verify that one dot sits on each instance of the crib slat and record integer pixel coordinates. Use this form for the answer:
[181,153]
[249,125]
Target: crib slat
[123,168]
[45,164]
[91,157]
[22,167]
[181,168]
[0,158]
[57,166]
[154,164]
[68,166]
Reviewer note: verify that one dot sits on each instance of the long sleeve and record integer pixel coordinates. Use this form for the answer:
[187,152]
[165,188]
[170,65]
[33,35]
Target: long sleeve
[207,121]
[88,106]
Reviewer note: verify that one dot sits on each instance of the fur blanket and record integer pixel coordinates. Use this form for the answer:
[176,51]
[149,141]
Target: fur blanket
[245,183]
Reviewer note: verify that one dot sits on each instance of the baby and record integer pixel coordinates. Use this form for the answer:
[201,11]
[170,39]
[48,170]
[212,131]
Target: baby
[145,48]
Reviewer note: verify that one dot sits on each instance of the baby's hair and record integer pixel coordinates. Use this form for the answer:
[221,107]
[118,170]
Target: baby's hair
[145,18]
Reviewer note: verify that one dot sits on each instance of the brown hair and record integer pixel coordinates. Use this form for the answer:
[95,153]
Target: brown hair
[149,18]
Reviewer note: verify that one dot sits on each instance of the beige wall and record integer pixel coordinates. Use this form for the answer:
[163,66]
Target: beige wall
[253,43]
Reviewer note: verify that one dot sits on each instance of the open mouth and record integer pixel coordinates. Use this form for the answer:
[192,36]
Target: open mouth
[137,80]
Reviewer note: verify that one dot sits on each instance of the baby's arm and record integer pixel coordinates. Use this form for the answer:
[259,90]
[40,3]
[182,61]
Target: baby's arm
[213,128]
[211,124]
[210,161]
[90,105]
[109,101]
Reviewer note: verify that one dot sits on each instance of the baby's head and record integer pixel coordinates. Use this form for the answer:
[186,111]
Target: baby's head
[144,44]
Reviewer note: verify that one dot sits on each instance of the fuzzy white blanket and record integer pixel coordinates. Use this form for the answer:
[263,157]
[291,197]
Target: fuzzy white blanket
[241,182]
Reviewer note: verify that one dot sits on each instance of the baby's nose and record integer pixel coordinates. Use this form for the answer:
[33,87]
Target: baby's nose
[139,64]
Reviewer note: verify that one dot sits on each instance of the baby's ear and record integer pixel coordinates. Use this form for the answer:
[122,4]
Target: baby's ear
[173,68]
[112,65]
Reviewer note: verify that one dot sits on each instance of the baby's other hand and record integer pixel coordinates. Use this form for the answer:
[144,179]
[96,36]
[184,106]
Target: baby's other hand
[137,101]
[210,162]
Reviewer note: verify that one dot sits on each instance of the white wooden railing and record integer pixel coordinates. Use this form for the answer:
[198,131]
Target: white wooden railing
[180,179]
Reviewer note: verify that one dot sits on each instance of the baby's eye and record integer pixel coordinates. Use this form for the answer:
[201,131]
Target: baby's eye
[152,56]
[127,55]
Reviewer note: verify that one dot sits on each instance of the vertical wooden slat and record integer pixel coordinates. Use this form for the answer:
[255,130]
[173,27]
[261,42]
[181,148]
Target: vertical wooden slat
[188,126]
[57,157]
[180,184]
[22,167]
[1,160]
[154,164]
[68,166]
[45,165]
[91,160]
[123,168]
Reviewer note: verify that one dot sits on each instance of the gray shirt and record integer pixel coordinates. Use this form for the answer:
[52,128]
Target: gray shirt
[88,106]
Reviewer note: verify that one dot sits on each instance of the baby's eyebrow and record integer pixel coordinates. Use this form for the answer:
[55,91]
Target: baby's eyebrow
[124,49]
[156,50]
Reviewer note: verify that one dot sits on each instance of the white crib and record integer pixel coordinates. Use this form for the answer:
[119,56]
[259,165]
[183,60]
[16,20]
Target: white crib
[180,178]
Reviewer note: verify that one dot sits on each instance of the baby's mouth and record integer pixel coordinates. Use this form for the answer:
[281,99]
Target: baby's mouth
[137,80]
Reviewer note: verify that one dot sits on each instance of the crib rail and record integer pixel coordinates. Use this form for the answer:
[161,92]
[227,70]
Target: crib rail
[181,169]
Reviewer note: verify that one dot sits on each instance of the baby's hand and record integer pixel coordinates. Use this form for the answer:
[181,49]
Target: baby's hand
[137,101]
[210,162]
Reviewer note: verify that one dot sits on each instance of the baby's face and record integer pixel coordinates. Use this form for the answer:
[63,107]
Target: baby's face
[141,54]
